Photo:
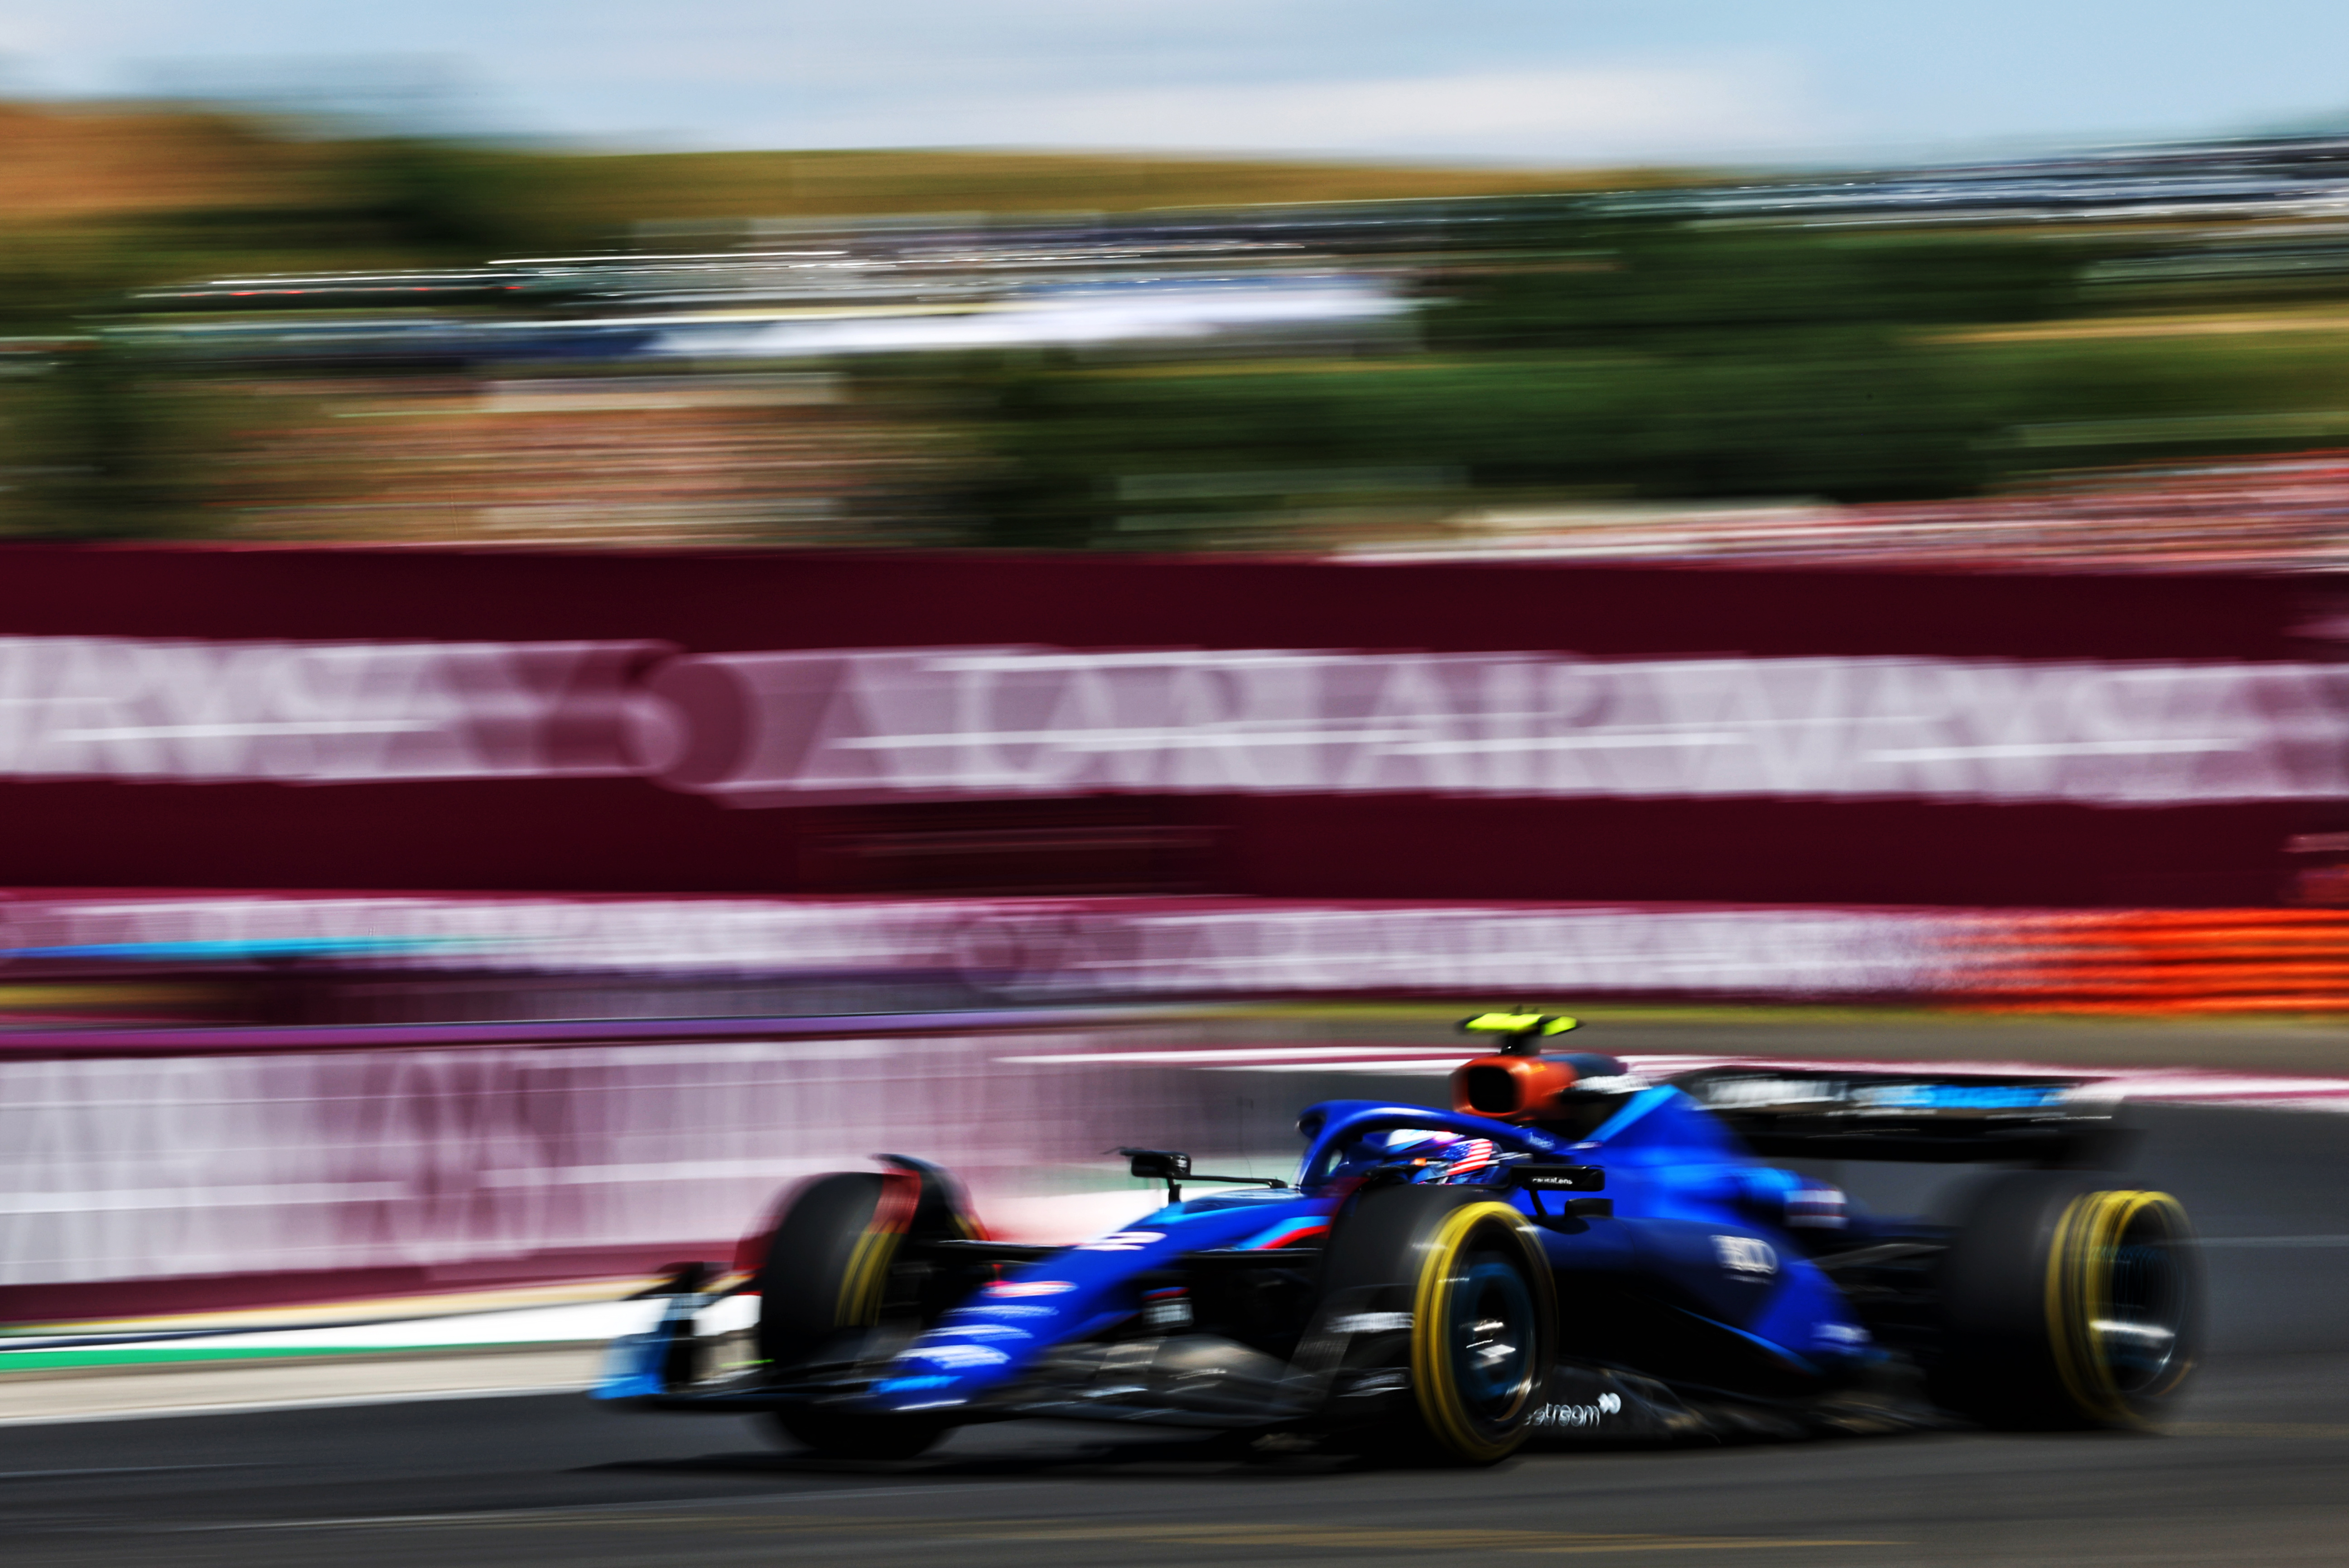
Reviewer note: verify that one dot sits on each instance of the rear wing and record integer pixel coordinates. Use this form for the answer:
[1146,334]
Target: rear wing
[1828,1114]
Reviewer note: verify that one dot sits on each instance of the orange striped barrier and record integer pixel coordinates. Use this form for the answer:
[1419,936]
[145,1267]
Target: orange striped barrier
[2160,961]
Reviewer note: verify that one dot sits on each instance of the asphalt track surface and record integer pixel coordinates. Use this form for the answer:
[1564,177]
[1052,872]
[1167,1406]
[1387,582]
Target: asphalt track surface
[2257,1469]
[2258,1472]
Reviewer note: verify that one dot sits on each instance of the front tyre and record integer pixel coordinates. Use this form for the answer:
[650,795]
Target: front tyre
[837,1284]
[2068,1304]
[1482,1314]
[824,1278]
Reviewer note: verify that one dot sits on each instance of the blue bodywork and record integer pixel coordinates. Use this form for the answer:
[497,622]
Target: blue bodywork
[1710,1247]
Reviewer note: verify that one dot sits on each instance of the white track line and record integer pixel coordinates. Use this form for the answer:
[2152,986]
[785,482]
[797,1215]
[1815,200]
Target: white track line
[257,1405]
[565,1510]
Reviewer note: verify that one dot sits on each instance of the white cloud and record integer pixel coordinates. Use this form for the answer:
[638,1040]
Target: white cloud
[1547,81]
[1576,114]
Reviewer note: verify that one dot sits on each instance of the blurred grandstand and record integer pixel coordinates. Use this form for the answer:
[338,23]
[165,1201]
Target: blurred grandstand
[2285,513]
[2118,361]
[2252,178]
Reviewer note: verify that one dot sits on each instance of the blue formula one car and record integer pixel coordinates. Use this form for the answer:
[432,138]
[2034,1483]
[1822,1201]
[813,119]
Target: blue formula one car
[1568,1253]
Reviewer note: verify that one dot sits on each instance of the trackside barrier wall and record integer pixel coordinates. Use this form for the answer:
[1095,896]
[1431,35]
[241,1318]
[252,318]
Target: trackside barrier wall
[1987,789]
[1021,951]
[135,1185]
[148,1169]
[797,722]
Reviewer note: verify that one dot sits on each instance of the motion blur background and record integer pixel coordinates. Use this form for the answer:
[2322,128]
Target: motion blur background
[547,691]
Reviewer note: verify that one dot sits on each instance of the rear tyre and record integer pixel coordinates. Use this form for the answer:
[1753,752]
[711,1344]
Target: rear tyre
[2068,1304]
[1483,1319]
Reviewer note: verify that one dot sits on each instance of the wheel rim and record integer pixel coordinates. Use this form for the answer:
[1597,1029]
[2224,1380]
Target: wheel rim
[2139,1333]
[1494,1335]
[2120,1301]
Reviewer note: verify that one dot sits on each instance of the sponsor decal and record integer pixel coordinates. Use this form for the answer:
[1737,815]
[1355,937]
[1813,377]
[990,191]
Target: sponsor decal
[1372,1323]
[911,1384]
[1590,1415]
[1733,1092]
[175,711]
[848,726]
[1287,1233]
[980,1331]
[957,1356]
[1816,1209]
[1736,1094]
[1005,1311]
[1166,1308]
[1122,1241]
[1843,1333]
[802,726]
[1562,1178]
[1746,1256]
[1030,1288]
[1960,1097]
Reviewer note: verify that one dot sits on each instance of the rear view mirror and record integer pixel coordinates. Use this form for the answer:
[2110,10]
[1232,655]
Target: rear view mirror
[1158,1163]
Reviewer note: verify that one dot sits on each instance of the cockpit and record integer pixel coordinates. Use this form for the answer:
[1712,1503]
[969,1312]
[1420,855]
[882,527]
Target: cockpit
[1441,1153]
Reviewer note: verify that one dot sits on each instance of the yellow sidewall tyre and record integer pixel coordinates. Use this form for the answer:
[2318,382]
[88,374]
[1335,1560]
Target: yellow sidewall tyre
[1471,1274]
[1473,1424]
[2068,1301]
[2118,1360]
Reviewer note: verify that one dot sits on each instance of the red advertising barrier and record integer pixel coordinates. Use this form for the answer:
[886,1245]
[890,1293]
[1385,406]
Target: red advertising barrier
[907,723]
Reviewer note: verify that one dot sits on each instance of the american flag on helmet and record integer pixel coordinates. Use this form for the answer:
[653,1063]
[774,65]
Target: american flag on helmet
[1469,1156]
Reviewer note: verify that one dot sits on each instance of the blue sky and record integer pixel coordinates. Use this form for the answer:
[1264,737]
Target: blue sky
[1530,81]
